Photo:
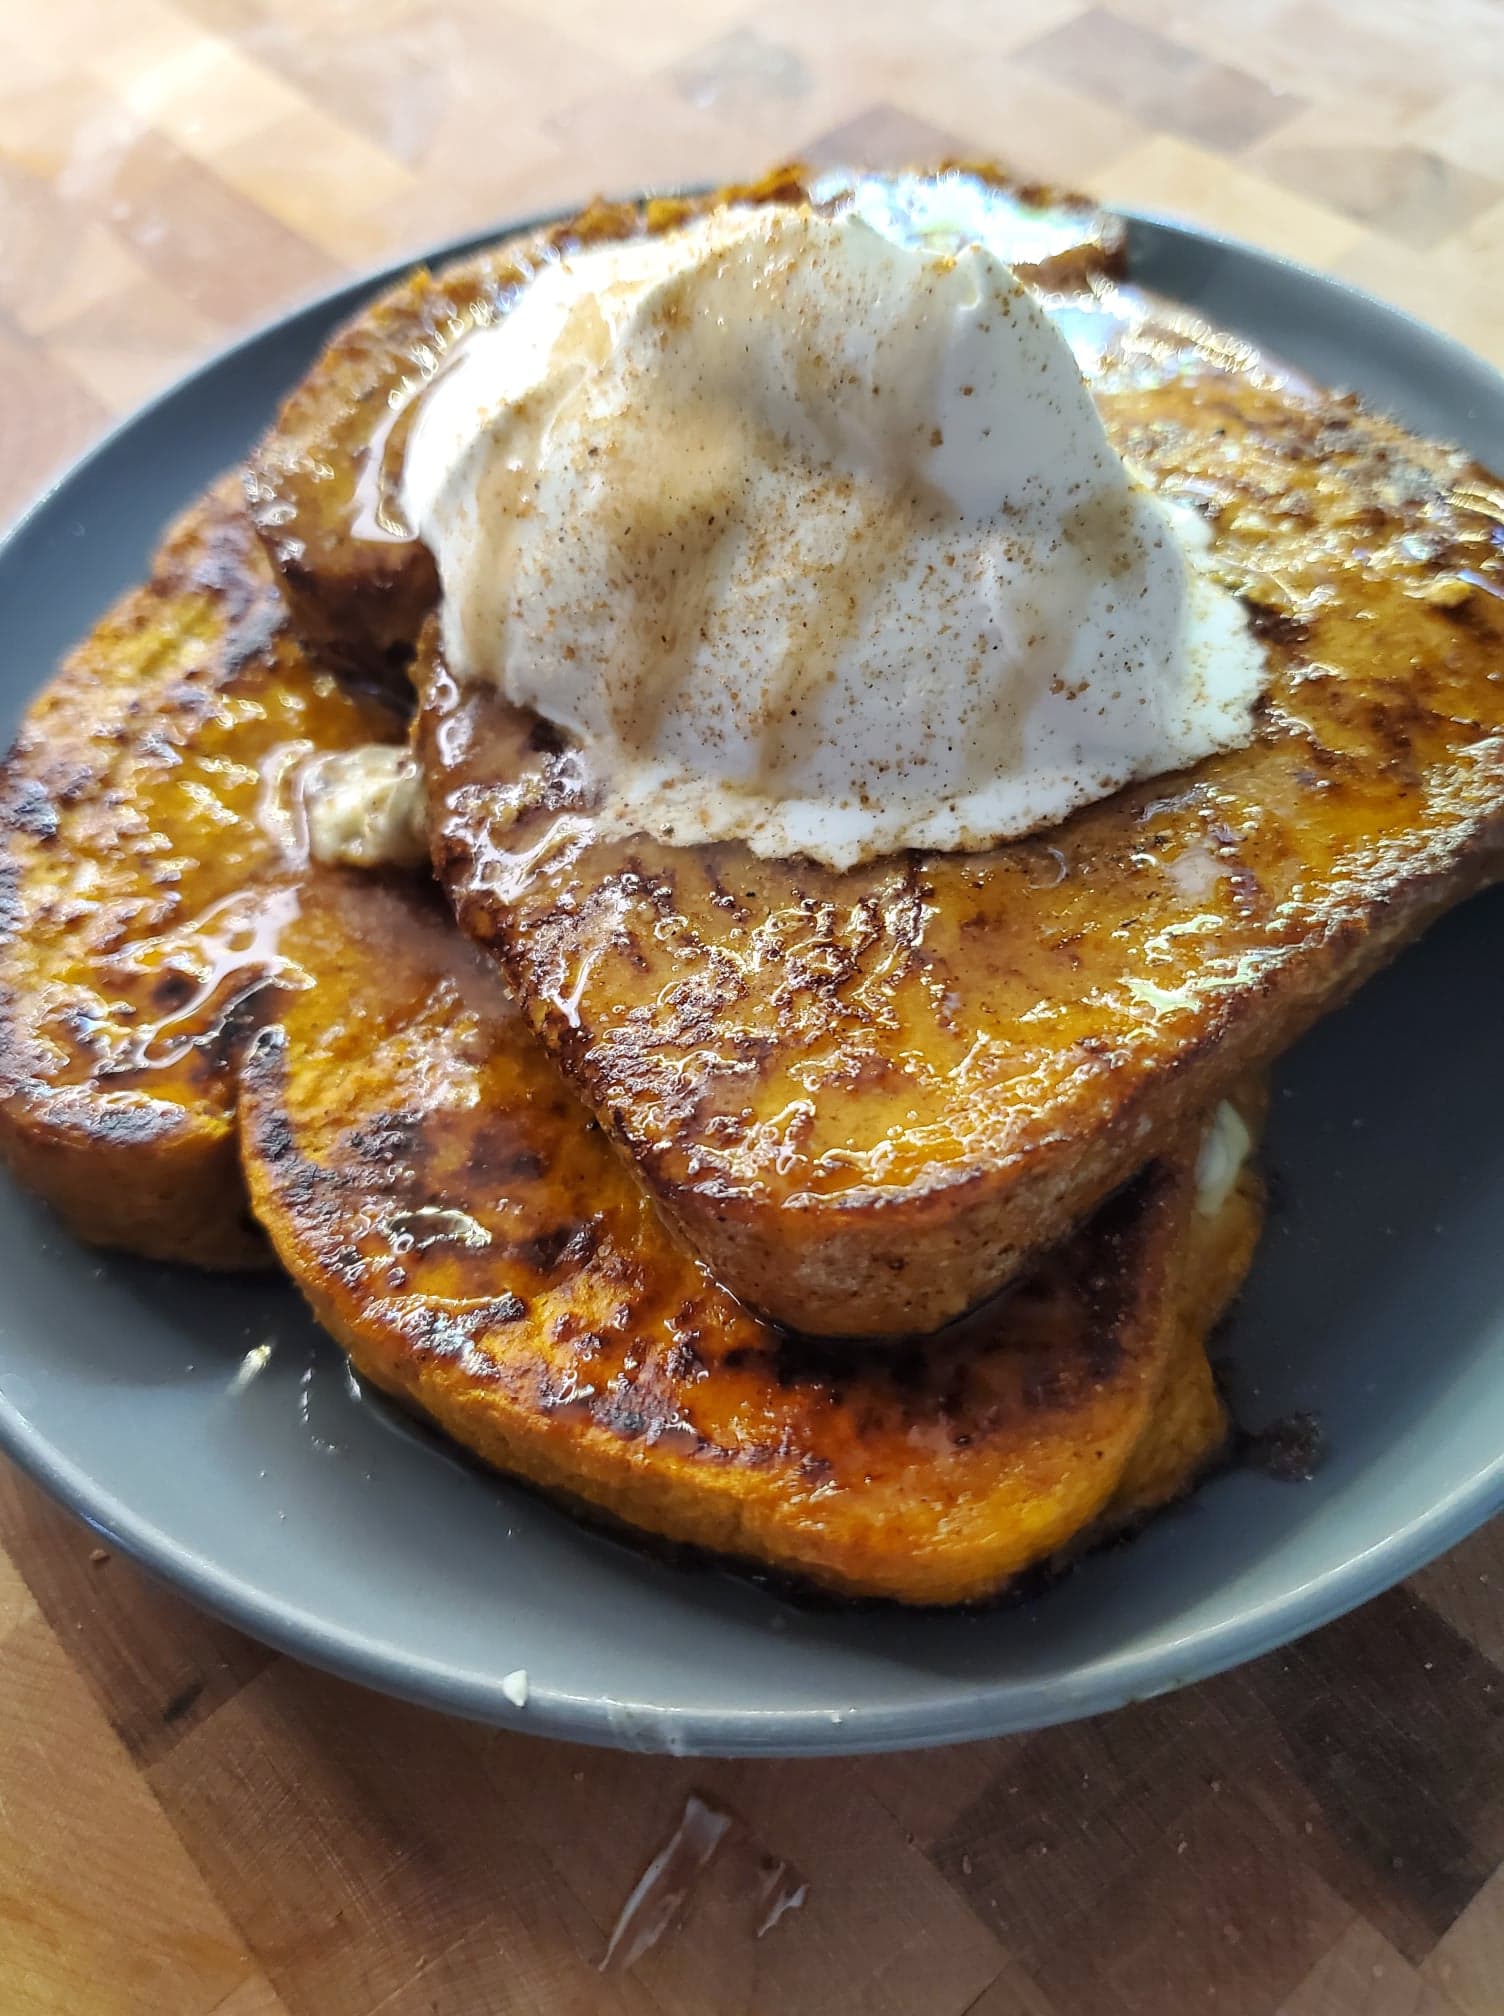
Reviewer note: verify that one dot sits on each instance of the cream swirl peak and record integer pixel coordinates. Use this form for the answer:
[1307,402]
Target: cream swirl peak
[816,541]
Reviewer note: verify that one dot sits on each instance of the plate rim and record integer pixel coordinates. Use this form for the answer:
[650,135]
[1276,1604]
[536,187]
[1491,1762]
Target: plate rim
[984,1710]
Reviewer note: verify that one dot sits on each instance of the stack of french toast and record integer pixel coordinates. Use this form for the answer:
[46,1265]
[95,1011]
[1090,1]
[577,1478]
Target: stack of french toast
[866,1227]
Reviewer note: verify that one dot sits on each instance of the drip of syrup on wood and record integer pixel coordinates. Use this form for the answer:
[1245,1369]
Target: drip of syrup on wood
[780,1889]
[662,1888]
[661,1892]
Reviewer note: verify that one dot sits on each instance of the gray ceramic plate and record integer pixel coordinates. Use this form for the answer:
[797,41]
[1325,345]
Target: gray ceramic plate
[311,1518]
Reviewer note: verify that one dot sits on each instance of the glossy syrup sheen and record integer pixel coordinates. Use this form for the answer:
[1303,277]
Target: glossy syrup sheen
[471,1238]
[151,850]
[807,1064]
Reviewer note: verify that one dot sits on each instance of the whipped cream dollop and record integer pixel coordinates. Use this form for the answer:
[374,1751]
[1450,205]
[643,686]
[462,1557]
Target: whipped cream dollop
[815,540]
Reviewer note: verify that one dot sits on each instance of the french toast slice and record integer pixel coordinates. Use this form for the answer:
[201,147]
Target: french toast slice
[865,1098]
[322,485]
[1188,1427]
[466,1234]
[148,859]
[422,1167]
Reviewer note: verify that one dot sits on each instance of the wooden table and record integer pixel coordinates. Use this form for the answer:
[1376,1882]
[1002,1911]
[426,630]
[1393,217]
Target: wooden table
[190,1824]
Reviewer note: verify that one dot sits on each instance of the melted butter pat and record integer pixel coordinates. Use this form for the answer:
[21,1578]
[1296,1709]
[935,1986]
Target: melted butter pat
[1225,1147]
[364,808]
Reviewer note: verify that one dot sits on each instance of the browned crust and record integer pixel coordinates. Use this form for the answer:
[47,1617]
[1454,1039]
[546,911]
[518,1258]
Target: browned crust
[359,600]
[457,1224]
[132,864]
[868,1098]
[164,1183]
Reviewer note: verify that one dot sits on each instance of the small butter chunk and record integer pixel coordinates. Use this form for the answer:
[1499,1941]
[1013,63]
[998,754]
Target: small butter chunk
[1449,591]
[1224,1149]
[514,1686]
[365,808]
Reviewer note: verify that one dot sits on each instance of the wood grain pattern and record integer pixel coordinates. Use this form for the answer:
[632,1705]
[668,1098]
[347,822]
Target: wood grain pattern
[189,1824]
